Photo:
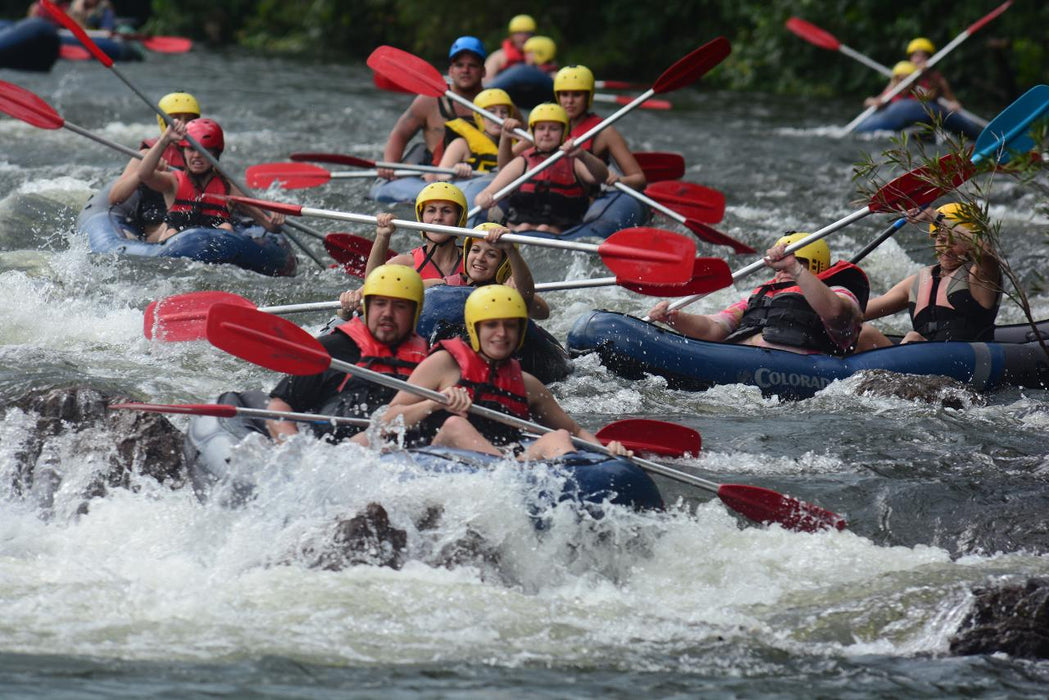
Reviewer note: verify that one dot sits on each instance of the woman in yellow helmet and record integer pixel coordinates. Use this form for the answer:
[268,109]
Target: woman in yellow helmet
[809,306]
[955,299]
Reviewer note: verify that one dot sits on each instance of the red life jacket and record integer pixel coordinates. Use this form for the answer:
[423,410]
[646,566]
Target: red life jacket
[944,311]
[782,315]
[426,267]
[555,196]
[511,53]
[589,122]
[377,356]
[190,211]
[499,387]
[172,154]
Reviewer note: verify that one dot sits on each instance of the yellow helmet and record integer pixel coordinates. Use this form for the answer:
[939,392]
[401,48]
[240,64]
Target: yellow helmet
[492,97]
[903,68]
[549,112]
[953,212]
[543,47]
[575,78]
[177,103]
[521,23]
[441,191]
[816,253]
[492,302]
[397,281]
[921,44]
[503,272]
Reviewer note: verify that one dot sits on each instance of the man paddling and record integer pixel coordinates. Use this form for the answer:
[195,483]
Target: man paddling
[429,114]
[809,306]
[484,372]
[384,341]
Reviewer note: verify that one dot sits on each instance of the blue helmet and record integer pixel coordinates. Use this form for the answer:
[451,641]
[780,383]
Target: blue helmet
[467,43]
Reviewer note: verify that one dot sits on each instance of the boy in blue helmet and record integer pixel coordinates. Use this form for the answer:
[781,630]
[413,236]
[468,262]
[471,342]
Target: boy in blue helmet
[429,114]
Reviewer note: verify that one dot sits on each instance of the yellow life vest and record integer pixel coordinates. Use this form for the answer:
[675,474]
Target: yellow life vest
[484,153]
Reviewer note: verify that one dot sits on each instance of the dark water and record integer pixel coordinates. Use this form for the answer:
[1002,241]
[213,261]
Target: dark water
[152,594]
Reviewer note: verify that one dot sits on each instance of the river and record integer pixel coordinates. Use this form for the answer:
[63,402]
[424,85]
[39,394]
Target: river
[150,593]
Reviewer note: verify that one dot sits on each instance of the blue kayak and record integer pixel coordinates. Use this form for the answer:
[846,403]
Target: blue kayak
[109,229]
[29,44]
[526,85]
[115,47]
[590,479]
[902,114]
[633,348]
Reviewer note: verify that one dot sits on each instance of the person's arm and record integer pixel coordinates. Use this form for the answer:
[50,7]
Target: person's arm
[128,182]
[507,148]
[486,197]
[161,181]
[280,429]
[438,372]
[698,326]
[407,126]
[891,302]
[944,89]
[985,277]
[454,157]
[588,167]
[633,176]
[377,256]
[495,62]
[520,274]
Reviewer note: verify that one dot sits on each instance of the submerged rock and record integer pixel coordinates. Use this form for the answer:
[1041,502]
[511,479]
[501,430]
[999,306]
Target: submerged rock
[366,538]
[111,445]
[1013,619]
[947,392]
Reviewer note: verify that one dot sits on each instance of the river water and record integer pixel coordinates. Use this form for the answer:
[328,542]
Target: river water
[149,593]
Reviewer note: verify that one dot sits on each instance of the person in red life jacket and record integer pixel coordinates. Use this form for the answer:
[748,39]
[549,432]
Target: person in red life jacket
[540,51]
[429,114]
[809,306]
[955,299]
[489,261]
[477,147]
[149,208]
[439,256]
[574,90]
[384,341]
[511,51]
[483,372]
[184,190]
[556,198]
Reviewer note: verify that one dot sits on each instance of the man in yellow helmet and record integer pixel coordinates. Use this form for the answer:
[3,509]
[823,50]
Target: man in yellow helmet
[809,306]
[384,341]
[429,114]
[955,299]
[483,372]
[511,52]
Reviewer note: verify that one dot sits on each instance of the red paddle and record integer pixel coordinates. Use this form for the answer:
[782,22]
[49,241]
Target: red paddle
[351,252]
[279,345]
[689,199]
[292,176]
[647,435]
[221,410]
[162,44]
[73,53]
[636,253]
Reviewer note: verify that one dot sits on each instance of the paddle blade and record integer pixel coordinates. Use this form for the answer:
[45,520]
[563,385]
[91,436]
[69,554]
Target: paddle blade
[71,24]
[182,317]
[617,85]
[659,166]
[290,176]
[407,71]
[167,44]
[656,436]
[383,83]
[712,235]
[266,340]
[335,158]
[351,251]
[813,34]
[693,66]
[73,53]
[1010,130]
[767,506]
[625,100]
[649,255]
[690,200]
[220,410]
[708,275]
[22,104]
[267,204]
[922,185]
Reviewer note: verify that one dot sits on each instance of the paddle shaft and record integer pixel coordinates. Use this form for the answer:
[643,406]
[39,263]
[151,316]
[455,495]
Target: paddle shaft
[417,168]
[606,122]
[933,60]
[102,140]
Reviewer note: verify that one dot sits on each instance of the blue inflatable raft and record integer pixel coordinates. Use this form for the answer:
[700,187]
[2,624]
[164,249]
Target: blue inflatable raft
[526,85]
[115,47]
[902,114]
[29,44]
[589,478]
[633,348]
[110,230]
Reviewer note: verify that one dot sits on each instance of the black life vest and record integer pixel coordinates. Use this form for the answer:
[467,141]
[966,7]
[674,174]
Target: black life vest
[189,210]
[781,314]
[554,196]
[942,312]
[151,208]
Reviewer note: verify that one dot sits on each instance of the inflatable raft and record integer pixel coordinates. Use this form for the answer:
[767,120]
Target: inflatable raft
[902,114]
[110,230]
[29,44]
[114,46]
[633,348]
[527,85]
[588,478]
